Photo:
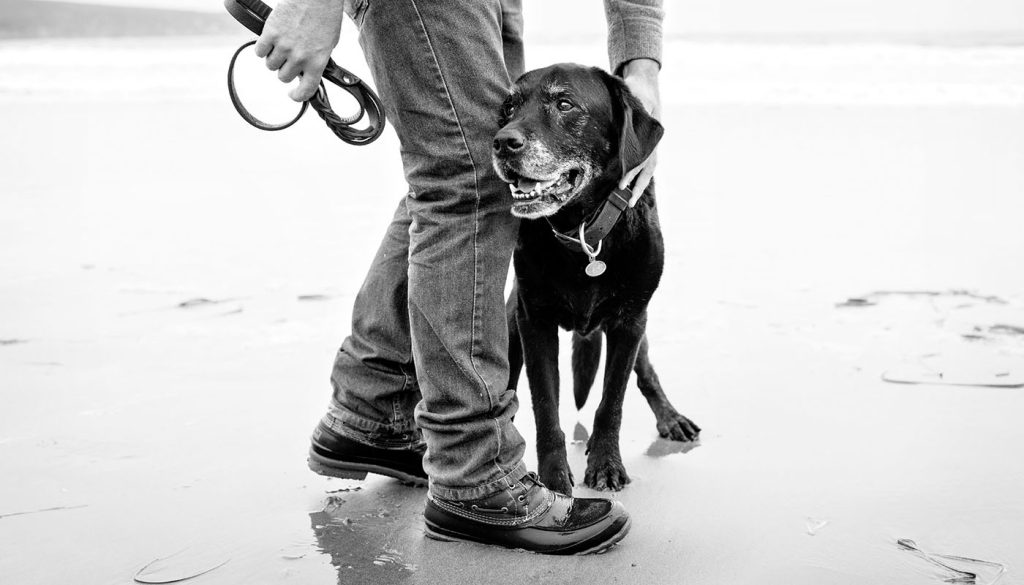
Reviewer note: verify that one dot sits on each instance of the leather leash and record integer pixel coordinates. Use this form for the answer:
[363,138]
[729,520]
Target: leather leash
[253,15]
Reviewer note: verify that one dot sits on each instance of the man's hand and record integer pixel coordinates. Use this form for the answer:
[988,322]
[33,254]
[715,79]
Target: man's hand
[641,77]
[297,41]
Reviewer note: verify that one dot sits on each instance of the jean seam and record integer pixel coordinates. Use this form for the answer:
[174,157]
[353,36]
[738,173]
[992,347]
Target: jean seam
[497,449]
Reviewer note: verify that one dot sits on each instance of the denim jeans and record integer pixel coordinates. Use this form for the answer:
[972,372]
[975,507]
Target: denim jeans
[428,348]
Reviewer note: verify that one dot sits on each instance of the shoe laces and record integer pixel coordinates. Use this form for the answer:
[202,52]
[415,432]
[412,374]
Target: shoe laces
[534,477]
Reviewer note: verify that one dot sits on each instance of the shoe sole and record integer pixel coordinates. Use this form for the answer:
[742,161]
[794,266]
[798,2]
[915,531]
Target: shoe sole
[351,470]
[436,533]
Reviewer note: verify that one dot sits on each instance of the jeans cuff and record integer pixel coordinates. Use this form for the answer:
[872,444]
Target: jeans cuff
[507,481]
[370,432]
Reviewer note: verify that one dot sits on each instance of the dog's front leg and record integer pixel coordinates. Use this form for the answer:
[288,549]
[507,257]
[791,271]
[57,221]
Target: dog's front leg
[540,352]
[670,422]
[605,470]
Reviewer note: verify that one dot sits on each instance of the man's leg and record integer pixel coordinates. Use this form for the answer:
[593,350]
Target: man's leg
[374,381]
[370,426]
[440,68]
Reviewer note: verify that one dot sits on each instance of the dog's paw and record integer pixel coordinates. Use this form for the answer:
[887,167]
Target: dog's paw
[561,482]
[606,473]
[677,427]
[557,478]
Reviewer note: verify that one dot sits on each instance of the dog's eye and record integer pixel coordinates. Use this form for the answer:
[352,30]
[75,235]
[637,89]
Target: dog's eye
[564,105]
[508,109]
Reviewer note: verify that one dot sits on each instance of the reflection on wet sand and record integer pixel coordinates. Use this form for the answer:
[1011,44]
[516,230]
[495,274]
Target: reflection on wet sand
[662,447]
[580,434]
[371,536]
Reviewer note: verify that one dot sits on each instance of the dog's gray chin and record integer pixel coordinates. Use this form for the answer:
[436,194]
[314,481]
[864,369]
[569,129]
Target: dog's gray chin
[535,210]
[538,208]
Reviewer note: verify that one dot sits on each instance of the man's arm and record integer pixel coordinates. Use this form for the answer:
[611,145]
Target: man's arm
[298,39]
[634,49]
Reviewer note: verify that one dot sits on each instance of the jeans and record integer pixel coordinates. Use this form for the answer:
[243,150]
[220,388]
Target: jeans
[428,347]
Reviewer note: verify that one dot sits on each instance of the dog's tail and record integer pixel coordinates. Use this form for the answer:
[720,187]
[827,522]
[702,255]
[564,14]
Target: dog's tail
[586,355]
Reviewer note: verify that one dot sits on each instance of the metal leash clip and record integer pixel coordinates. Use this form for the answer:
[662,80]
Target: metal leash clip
[253,15]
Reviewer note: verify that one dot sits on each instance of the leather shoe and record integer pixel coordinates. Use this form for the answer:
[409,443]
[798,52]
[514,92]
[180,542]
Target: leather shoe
[334,455]
[531,517]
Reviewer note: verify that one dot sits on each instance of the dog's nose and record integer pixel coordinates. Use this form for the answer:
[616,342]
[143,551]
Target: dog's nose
[509,140]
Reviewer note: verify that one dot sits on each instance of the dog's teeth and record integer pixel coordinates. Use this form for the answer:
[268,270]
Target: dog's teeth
[516,193]
[538,189]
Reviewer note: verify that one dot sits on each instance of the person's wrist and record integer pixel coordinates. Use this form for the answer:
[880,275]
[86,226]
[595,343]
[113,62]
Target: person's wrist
[641,77]
[647,68]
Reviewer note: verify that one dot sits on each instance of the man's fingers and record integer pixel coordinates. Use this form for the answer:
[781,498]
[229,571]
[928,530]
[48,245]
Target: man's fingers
[308,83]
[642,181]
[643,175]
[276,59]
[263,46]
[628,177]
[309,71]
[288,72]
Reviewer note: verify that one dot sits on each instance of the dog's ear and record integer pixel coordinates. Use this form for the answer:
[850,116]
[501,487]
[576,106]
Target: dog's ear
[640,132]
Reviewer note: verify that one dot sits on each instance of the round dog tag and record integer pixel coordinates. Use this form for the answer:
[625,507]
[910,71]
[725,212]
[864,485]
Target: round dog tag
[595,268]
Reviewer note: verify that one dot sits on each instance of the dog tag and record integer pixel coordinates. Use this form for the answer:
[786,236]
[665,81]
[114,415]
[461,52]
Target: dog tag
[595,268]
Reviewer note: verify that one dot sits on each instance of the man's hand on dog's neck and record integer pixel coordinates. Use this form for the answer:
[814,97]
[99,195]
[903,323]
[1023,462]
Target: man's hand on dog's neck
[641,77]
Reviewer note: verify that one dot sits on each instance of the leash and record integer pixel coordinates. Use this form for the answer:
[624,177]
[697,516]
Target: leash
[592,231]
[253,14]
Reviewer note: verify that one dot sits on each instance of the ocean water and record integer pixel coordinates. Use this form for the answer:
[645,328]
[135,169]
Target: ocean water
[694,72]
[978,21]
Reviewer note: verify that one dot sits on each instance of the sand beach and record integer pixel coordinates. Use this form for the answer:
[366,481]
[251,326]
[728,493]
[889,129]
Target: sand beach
[839,218]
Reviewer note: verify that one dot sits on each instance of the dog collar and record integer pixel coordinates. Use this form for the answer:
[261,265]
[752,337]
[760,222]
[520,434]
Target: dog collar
[591,233]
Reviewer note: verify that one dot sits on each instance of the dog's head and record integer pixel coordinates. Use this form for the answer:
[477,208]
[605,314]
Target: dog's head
[569,133]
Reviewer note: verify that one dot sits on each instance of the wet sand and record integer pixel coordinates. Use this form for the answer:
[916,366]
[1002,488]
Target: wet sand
[170,304]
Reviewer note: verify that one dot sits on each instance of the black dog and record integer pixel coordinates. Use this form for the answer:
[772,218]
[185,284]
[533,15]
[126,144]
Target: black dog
[585,261]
